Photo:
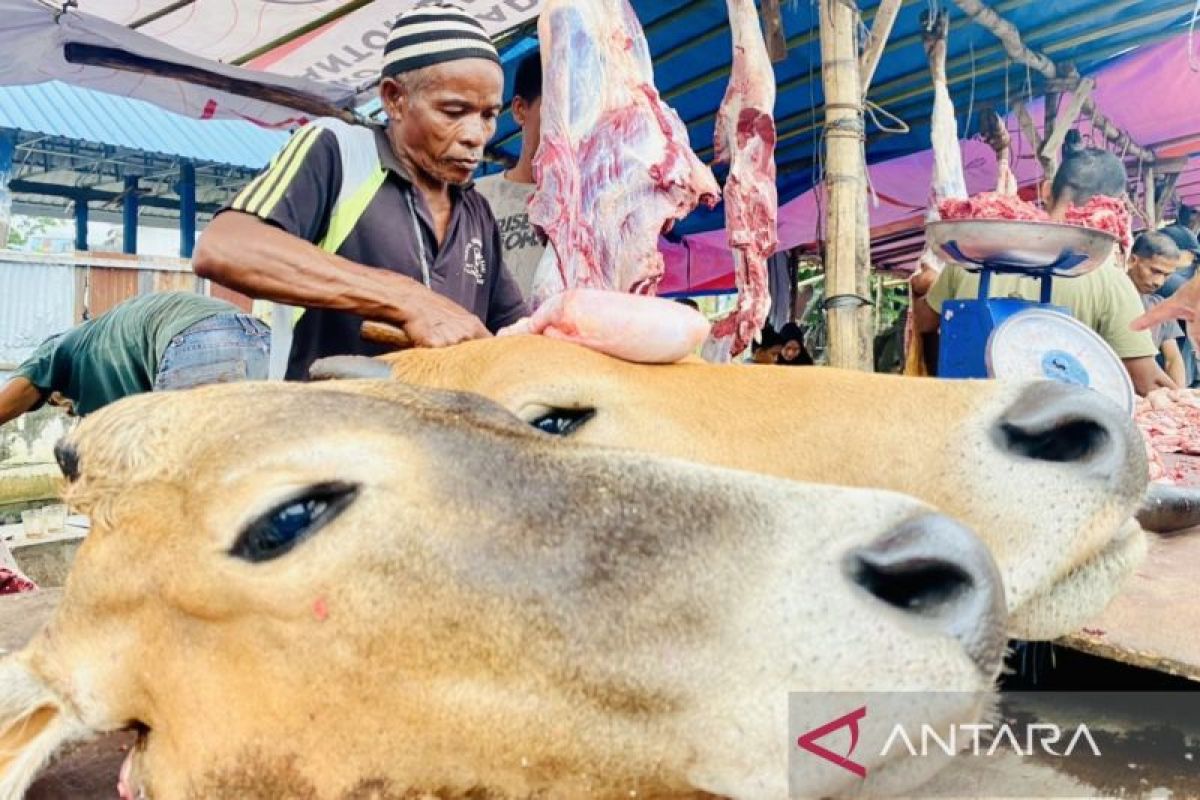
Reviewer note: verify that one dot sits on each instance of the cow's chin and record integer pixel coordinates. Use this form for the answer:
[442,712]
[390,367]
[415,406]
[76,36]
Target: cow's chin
[1084,592]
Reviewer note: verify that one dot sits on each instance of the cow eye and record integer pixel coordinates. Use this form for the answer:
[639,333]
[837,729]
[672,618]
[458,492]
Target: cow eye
[279,530]
[562,421]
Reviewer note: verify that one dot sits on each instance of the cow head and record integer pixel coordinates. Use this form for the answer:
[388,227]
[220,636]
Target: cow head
[1048,475]
[293,591]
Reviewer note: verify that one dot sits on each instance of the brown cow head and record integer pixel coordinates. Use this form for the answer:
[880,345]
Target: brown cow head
[293,591]
[1048,475]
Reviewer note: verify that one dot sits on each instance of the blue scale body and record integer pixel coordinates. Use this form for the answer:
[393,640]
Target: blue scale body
[967,325]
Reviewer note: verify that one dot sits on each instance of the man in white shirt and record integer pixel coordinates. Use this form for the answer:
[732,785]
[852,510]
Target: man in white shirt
[508,193]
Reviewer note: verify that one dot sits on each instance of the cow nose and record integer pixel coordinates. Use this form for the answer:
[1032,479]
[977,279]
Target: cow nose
[1065,424]
[941,575]
[68,459]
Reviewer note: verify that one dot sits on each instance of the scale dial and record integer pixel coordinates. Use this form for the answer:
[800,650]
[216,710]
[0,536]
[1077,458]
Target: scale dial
[1040,343]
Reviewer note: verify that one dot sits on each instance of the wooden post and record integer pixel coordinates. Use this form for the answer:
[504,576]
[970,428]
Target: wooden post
[1067,117]
[881,29]
[1010,39]
[776,39]
[1168,193]
[1151,210]
[1049,117]
[847,274]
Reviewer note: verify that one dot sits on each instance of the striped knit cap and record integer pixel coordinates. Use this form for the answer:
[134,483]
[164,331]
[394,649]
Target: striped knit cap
[434,34]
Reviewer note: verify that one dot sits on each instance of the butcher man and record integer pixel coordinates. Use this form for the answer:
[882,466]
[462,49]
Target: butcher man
[1104,299]
[356,222]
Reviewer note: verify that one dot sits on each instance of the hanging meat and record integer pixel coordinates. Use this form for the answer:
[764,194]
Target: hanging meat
[615,167]
[996,135]
[948,177]
[949,181]
[745,137]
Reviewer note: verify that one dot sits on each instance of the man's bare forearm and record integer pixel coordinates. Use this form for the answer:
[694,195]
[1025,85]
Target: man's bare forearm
[17,396]
[1173,363]
[1147,375]
[250,256]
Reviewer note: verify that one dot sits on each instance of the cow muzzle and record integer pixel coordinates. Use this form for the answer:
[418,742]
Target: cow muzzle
[942,577]
[1061,424]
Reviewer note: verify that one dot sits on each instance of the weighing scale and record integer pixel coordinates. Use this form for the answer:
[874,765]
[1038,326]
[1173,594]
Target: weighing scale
[1014,338]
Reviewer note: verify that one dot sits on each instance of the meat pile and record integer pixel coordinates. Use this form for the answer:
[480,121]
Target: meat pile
[745,137]
[14,583]
[1101,213]
[1169,420]
[1106,214]
[615,167]
[991,205]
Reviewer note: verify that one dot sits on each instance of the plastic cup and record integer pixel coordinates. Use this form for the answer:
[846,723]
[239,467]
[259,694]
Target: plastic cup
[34,523]
[56,518]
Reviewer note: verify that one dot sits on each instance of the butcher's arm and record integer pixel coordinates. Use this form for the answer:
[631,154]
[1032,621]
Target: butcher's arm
[17,396]
[1184,305]
[1147,375]
[925,319]
[1173,362]
[251,256]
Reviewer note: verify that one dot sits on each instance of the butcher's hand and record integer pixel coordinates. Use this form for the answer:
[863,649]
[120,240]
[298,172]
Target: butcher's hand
[1184,305]
[434,321]
[1147,375]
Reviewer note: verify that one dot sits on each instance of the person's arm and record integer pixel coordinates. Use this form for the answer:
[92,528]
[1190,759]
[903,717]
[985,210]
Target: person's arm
[1184,304]
[1173,361]
[925,319]
[927,304]
[17,396]
[263,245]
[244,253]
[1147,375]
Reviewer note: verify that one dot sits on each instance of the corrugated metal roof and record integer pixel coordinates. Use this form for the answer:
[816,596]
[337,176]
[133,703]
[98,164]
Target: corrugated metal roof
[57,109]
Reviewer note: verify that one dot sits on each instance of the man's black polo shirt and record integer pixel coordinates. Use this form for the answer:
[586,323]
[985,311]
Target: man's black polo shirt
[340,187]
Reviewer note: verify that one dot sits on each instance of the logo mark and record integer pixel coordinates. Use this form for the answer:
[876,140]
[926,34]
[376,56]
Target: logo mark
[474,264]
[809,741]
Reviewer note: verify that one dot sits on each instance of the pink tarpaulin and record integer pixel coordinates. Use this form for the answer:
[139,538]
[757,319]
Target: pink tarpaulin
[1170,123]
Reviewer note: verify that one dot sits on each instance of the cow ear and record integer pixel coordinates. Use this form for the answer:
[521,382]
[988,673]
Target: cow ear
[33,726]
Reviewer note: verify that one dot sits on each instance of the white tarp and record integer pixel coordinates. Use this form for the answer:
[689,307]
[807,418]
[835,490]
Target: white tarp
[36,39]
[345,52]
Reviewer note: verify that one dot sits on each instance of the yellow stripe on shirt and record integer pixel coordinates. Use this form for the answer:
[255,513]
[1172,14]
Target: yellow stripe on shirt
[275,179]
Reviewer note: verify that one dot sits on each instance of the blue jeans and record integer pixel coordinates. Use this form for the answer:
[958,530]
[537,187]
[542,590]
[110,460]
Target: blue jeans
[220,349]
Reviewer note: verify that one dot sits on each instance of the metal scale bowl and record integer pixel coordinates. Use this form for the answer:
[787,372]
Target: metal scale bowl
[1014,338]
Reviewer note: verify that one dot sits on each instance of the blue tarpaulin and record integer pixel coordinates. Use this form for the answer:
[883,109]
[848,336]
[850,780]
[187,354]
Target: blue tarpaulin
[691,49]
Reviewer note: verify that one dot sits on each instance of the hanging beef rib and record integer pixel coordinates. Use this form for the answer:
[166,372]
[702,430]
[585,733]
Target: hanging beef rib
[745,137]
[614,167]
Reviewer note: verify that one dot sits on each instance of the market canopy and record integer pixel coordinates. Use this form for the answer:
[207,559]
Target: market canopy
[328,51]
[331,48]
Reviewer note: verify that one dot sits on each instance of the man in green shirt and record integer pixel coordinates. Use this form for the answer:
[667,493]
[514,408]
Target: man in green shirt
[1105,299]
[172,340]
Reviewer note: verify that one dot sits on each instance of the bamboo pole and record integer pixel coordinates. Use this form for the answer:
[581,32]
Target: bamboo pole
[847,276]
[1010,38]
[881,29]
[772,18]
